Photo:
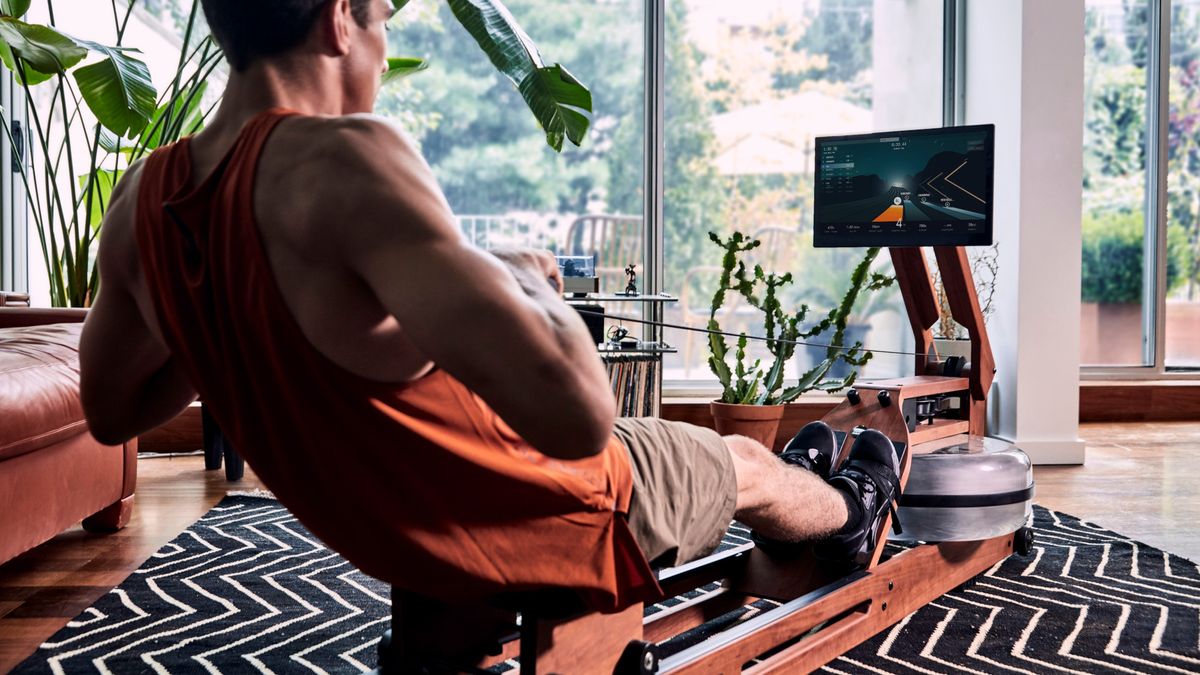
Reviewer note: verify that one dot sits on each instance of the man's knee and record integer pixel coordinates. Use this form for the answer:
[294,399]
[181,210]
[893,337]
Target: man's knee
[753,465]
[748,449]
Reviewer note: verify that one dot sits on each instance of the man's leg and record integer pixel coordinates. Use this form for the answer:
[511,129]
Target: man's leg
[779,500]
[689,483]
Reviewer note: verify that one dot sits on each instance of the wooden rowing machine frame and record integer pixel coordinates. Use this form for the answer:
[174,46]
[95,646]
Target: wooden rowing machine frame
[823,612]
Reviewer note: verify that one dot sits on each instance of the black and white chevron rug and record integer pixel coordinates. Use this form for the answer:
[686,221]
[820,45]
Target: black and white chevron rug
[248,589]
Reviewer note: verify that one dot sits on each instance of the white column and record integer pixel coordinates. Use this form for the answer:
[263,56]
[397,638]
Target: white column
[1024,73]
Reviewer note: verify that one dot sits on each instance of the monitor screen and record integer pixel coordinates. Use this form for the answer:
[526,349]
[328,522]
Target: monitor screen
[931,187]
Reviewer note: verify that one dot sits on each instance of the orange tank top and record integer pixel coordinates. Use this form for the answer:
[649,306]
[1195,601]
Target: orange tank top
[420,485]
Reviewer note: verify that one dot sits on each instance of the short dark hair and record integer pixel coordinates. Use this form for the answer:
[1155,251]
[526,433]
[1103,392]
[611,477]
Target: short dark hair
[249,30]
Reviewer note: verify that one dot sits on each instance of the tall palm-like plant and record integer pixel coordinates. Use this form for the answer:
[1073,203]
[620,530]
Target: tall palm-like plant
[102,112]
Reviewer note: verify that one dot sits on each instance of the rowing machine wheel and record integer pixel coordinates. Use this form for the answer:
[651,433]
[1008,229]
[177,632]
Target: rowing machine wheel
[639,658]
[1023,541]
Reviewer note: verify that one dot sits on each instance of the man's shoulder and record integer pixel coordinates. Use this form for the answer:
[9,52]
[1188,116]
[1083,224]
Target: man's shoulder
[122,207]
[332,160]
[346,138]
[360,169]
[118,249]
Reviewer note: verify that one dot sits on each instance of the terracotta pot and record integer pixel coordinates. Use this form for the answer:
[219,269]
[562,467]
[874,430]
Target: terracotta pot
[759,422]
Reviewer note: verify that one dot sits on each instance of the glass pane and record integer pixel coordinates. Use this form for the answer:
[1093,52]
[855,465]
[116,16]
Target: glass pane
[1114,175]
[749,86]
[1183,184]
[505,185]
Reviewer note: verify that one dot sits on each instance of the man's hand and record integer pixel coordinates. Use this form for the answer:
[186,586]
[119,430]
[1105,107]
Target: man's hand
[538,262]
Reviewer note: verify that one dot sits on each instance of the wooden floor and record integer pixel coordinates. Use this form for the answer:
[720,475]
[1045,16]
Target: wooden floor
[1140,479]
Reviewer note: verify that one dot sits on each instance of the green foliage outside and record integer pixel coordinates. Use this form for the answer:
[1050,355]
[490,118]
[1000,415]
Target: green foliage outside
[1113,251]
[471,128]
[1115,153]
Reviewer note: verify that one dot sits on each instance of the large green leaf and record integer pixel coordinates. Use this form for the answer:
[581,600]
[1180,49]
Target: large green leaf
[117,90]
[187,116]
[43,51]
[14,8]
[101,183]
[561,104]
[403,66]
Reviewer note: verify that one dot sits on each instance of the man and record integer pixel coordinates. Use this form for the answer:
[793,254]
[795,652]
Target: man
[434,412]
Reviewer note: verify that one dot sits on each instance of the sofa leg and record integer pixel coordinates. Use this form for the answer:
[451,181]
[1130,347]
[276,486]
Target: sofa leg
[111,519]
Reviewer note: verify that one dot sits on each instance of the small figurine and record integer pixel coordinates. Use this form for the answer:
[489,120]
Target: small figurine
[631,287]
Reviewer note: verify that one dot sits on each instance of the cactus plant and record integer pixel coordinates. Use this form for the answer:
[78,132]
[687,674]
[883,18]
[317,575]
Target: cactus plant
[751,384]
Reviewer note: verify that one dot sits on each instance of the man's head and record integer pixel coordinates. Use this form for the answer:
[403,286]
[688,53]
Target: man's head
[352,31]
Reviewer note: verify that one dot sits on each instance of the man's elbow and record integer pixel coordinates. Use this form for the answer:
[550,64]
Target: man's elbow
[583,436]
[108,435]
[103,423]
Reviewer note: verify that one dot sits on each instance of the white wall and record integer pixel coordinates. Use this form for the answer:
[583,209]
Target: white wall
[1024,72]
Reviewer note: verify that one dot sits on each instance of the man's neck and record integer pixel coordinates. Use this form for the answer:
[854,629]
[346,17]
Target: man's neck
[308,88]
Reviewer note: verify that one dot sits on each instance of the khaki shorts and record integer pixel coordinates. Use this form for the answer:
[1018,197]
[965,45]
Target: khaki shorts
[684,488]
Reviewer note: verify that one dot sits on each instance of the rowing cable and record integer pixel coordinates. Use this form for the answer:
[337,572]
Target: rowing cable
[708,331]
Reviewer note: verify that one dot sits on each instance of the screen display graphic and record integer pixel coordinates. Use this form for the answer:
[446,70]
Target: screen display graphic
[931,187]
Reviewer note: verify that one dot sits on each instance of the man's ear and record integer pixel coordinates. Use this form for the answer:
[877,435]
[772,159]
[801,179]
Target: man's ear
[334,26]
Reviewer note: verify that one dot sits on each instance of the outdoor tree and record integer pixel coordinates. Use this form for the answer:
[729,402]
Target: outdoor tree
[474,129]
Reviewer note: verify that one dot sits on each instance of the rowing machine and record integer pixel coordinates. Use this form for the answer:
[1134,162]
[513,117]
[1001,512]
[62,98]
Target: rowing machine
[818,611]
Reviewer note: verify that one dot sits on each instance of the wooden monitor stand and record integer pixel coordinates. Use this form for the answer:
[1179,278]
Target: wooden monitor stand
[920,299]
[894,406]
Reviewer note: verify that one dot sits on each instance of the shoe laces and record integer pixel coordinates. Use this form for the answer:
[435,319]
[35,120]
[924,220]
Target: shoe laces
[874,481]
[808,458]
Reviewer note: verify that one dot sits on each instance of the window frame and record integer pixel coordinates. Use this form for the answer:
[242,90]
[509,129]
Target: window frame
[14,226]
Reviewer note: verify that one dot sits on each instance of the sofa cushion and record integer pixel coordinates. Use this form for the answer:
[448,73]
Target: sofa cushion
[39,387]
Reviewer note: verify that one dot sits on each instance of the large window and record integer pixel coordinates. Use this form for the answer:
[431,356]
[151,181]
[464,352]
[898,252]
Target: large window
[503,182]
[749,85]
[1114,182]
[1141,219]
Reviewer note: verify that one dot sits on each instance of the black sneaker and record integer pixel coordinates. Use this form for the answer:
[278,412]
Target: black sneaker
[813,448]
[871,477]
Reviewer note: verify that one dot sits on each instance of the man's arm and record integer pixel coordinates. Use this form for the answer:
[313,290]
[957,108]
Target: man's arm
[128,380]
[502,330]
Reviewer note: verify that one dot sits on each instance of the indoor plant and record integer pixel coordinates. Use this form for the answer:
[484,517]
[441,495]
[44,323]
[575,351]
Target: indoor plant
[949,337]
[103,112]
[752,398]
[825,282]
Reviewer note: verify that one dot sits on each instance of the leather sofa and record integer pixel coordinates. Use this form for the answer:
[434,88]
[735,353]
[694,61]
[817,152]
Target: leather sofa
[53,473]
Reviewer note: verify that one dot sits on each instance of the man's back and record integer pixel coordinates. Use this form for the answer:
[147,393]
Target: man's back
[294,188]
